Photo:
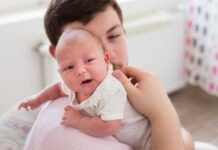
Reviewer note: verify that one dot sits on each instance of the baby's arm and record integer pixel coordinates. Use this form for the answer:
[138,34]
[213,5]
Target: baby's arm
[94,126]
[51,92]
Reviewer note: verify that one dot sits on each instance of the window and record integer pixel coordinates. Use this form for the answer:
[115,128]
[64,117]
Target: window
[12,6]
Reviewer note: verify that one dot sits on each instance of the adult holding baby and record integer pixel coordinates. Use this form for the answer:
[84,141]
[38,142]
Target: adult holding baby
[103,18]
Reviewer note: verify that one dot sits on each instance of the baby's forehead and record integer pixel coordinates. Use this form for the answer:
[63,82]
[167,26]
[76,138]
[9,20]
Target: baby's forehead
[79,35]
[73,37]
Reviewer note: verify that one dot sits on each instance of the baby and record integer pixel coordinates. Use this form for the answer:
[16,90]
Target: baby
[98,103]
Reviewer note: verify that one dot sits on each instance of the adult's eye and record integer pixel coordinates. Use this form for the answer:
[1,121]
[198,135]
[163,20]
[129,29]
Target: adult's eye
[90,60]
[114,36]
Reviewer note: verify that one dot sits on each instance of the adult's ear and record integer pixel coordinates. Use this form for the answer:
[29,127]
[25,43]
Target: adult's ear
[52,50]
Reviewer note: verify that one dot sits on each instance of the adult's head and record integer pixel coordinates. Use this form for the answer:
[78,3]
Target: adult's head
[62,12]
[100,17]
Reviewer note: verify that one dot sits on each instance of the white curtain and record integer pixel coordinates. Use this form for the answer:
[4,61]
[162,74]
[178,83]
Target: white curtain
[201,50]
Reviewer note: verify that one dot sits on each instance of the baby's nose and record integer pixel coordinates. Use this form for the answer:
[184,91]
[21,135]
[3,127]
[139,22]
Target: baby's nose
[81,71]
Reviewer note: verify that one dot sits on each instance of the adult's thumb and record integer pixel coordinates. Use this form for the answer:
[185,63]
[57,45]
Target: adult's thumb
[124,80]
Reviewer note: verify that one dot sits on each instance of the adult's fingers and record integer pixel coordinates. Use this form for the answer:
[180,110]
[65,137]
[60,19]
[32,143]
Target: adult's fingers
[133,73]
[124,80]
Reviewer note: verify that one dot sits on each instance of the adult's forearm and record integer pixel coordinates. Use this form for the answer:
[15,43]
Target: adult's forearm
[166,130]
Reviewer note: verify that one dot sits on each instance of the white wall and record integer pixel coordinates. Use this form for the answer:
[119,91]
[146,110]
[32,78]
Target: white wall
[131,7]
[155,37]
[159,47]
[20,65]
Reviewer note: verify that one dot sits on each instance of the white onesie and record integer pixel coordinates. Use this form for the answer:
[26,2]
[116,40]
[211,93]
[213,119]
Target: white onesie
[109,101]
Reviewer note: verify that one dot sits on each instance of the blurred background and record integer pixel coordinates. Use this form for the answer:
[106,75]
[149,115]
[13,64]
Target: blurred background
[175,39]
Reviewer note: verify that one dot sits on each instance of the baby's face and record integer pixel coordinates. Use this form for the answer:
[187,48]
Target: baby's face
[82,64]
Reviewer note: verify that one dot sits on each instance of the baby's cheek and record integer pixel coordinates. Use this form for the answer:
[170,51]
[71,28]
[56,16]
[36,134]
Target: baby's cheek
[71,83]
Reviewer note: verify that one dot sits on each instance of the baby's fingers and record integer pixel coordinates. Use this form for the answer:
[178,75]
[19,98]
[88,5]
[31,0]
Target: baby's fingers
[64,121]
[20,106]
[67,108]
[25,106]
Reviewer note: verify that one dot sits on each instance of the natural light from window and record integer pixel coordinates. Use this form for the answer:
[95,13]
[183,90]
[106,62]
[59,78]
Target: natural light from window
[12,6]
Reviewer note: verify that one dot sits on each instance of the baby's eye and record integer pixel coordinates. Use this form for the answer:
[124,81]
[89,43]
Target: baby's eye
[70,67]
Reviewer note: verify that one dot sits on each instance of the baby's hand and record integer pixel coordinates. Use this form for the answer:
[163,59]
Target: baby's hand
[29,104]
[71,117]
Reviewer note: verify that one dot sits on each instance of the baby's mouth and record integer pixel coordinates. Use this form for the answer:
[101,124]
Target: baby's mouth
[87,81]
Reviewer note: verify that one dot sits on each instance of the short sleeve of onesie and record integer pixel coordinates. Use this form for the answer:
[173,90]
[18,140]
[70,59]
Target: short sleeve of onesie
[114,108]
[67,92]
[64,89]
[113,100]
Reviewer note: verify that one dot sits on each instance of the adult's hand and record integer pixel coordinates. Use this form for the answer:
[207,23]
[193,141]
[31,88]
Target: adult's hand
[144,91]
[148,98]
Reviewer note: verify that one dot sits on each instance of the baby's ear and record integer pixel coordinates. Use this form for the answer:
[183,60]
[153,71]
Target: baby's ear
[52,50]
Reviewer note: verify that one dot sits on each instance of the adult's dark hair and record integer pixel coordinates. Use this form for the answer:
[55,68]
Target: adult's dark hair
[62,12]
